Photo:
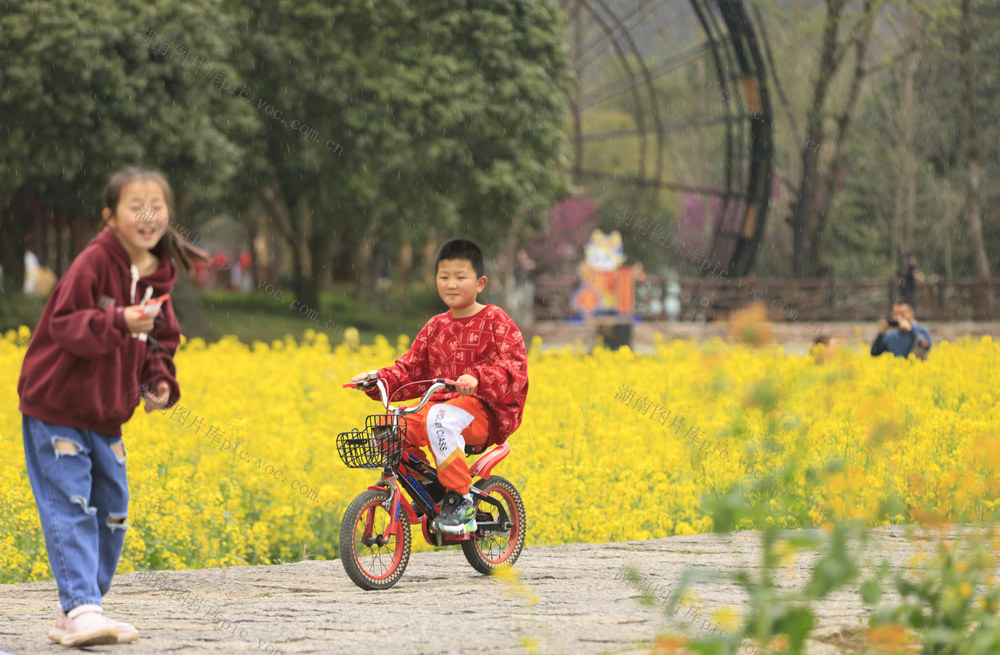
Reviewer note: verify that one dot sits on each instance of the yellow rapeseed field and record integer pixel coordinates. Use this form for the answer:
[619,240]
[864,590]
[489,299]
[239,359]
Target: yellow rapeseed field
[614,445]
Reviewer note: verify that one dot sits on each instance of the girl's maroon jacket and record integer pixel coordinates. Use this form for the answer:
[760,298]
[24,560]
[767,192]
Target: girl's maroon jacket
[83,369]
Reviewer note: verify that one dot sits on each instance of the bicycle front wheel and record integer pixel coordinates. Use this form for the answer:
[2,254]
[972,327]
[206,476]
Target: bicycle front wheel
[493,548]
[373,558]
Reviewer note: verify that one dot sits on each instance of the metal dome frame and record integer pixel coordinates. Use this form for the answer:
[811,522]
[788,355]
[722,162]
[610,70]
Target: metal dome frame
[733,44]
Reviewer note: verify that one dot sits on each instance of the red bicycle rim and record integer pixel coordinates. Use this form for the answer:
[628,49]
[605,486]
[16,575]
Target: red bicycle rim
[514,530]
[367,518]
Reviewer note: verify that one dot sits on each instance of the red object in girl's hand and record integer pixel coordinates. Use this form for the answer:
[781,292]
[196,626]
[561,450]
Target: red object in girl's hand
[153,304]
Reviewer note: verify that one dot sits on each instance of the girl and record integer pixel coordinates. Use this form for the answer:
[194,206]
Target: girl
[94,354]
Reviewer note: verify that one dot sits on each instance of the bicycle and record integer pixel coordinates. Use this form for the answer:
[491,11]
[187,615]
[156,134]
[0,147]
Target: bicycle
[375,537]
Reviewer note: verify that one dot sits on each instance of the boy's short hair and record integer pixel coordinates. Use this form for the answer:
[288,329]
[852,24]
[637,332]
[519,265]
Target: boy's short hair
[462,249]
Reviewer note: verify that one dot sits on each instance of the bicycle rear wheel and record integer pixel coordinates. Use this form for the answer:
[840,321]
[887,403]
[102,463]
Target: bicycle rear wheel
[373,559]
[490,549]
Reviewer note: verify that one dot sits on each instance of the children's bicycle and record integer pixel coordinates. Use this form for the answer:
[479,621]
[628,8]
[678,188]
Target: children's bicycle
[375,538]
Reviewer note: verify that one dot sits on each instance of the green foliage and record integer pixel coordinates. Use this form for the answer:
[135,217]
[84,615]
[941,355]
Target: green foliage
[259,316]
[950,598]
[778,615]
[342,120]
[861,220]
[450,117]
[949,595]
[82,96]
[17,309]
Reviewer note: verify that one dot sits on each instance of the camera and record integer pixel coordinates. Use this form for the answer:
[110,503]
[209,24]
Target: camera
[892,322]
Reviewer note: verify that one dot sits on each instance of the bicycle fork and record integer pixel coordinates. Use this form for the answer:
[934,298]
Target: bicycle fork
[397,506]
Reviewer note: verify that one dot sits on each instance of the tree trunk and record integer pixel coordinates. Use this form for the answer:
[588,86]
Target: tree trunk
[577,100]
[832,178]
[77,237]
[61,255]
[909,117]
[304,284]
[298,234]
[319,254]
[430,250]
[40,239]
[803,218]
[364,255]
[949,274]
[903,132]
[507,273]
[973,200]
[12,245]
[404,261]
[303,264]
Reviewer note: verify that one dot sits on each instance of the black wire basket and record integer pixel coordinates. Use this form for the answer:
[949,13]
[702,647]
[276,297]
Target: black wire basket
[377,446]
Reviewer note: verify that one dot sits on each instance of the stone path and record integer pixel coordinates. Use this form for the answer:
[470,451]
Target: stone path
[567,600]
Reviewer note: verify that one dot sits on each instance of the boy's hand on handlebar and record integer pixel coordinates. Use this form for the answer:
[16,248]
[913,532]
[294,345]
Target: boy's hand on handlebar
[466,384]
[366,376]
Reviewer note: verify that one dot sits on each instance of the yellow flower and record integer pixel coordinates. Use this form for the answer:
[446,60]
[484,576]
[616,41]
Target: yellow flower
[671,645]
[614,446]
[727,618]
[890,638]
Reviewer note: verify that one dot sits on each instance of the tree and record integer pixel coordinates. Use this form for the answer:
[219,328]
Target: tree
[447,117]
[908,187]
[973,198]
[814,193]
[83,93]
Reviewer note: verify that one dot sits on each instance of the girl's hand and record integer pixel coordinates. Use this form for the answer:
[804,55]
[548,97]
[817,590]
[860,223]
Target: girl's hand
[160,400]
[466,384]
[137,321]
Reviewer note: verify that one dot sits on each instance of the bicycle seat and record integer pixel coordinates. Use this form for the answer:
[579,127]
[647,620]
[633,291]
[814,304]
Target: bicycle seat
[494,454]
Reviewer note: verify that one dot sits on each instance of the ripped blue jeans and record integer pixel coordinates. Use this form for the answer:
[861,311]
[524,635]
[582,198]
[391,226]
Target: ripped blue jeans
[81,492]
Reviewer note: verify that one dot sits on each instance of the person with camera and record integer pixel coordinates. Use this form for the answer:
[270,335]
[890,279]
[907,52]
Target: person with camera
[906,335]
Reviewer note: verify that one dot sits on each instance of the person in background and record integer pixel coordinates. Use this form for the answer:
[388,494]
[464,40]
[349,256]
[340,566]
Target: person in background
[906,335]
[906,281]
[823,348]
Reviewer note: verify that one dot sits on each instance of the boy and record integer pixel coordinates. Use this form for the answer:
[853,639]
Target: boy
[478,346]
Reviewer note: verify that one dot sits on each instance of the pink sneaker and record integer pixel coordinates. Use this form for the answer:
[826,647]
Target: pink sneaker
[86,625]
[126,632]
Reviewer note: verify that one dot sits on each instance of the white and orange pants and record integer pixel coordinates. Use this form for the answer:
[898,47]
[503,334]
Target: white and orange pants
[445,428]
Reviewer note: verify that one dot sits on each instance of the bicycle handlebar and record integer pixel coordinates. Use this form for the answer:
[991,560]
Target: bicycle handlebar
[437,383]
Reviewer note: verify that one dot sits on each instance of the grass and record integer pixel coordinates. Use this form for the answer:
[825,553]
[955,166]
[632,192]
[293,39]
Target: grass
[211,315]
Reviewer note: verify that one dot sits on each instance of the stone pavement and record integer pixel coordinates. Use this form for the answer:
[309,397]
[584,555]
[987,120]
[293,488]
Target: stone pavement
[569,599]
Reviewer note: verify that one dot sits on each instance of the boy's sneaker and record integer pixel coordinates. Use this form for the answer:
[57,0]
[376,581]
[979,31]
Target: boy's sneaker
[458,514]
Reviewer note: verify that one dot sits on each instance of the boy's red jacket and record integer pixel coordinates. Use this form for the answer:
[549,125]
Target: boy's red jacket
[487,345]
[83,368]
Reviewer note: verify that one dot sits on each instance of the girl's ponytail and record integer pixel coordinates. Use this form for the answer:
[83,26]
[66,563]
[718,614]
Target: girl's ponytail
[180,251]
